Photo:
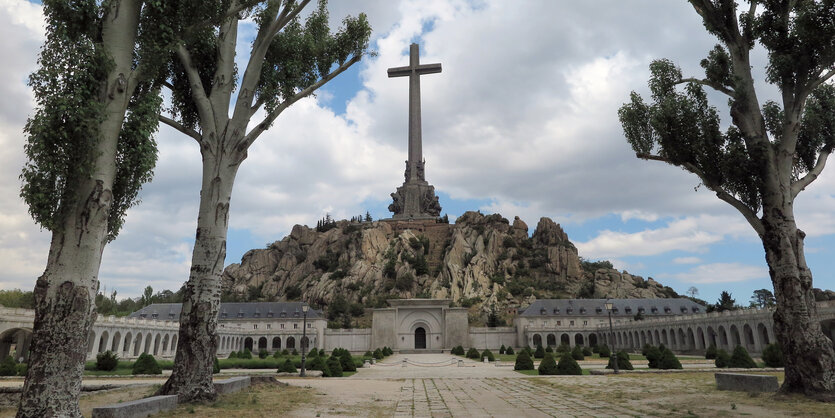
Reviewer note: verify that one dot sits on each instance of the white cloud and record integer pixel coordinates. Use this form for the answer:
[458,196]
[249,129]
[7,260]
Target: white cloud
[687,260]
[719,273]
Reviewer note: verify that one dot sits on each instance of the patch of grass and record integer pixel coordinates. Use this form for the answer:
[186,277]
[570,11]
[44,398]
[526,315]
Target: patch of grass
[536,372]
[254,402]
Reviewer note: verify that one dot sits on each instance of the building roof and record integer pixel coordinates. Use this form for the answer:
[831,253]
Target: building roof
[622,307]
[231,310]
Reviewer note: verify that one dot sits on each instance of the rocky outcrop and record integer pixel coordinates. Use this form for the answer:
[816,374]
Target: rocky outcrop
[480,260]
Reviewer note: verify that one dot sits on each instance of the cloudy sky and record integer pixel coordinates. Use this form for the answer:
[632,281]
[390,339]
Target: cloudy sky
[522,121]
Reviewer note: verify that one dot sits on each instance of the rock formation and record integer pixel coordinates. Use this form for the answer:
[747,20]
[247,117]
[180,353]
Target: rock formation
[481,260]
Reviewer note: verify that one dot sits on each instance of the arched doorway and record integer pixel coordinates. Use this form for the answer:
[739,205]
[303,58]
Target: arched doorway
[420,338]
[537,340]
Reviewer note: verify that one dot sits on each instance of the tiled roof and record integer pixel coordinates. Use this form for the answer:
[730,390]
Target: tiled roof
[622,307]
[231,310]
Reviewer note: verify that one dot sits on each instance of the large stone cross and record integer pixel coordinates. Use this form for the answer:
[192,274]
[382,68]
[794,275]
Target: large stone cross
[414,166]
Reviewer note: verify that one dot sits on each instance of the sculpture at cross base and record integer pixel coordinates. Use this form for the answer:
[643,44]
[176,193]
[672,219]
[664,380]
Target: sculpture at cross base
[415,199]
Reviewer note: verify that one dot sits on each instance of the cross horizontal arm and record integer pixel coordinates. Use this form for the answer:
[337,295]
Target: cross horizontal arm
[420,69]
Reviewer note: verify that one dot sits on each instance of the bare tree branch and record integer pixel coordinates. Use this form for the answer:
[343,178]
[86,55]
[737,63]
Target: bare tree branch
[716,86]
[178,126]
[268,120]
[812,175]
[749,214]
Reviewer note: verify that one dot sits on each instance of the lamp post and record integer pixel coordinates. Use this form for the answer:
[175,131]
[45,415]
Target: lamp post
[609,307]
[304,335]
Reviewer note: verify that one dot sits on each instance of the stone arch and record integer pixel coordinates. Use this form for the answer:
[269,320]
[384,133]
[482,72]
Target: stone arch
[276,343]
[262,344]
[551,340]
[723,337]
[157,339]
[691,339]
[748,338]
[174,343]
[291,343]
[537,340]
[91,341]
[578,339]
[700,339]
[248,344]
[681,339]
[712,337]
[126,347]
[115,344]
[20,338]
[762,332]
[631,339]
[565,339]
[104,340]
[735,338]
[672,337]
[305,342]
[137,344]
[664,338]
[593,339]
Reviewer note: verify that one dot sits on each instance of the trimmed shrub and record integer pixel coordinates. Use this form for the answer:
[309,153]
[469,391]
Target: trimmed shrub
[509,350]
[316,363]
[549,349]
[107,361]
[295,352]
[604,351]
[623,361]
[595,348]
[722,359]
[741,359]
[773,355]
[347,361]
[563,348]
[277,354]
[501,349]
[487,353]
[586,351]
[8,367]
[263,354]
[216,366]
[22,368]
[540,352]
[246,354]
[233,354]
[334,366]
[378,354]
[146,364]
[548,365]
[368,354]
[523,361]
[577,353]
[473,353]
[568,366]
[653,354]
[668,360]
[645,349]
[458,351]
[285,352]
[387,351]
[528,349]
[288,367]
[710,353]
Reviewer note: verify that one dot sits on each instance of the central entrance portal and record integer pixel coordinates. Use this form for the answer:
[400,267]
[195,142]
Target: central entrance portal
[420,338]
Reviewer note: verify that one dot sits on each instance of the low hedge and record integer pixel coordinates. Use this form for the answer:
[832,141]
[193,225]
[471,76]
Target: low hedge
[773,355]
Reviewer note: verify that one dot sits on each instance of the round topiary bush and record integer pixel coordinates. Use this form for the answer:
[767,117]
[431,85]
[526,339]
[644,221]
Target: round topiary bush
[347,361]
[653,354]
[368,354]
[740,358]
[285,352]
[263,354]
[321,352]
[8,367]
[604,351]
[509,350]
[378,354]
[540,352]
[488,354]
[246,354]
[501,349]
[334,366]
[473,353]
[146,364]
[277,354]
[568,366]
[458,351]
[668,360]
[523,361]
[586,351]
[563,348]
[548,365]
[387,351]
[288,367]
[549,349]
[107,361]
[577,353]
[645,348]
[233,354]
[710,353]
[622,359]
[295,352]
[722,359]
[773,355]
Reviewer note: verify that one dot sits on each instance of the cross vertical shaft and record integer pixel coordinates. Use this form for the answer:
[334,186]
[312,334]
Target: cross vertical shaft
[414,71]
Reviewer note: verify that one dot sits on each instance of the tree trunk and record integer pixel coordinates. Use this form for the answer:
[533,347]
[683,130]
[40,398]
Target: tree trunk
[809,356]
[197,344]
[65,293]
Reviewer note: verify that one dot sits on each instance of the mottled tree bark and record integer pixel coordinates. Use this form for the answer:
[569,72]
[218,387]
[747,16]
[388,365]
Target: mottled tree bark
[65,293]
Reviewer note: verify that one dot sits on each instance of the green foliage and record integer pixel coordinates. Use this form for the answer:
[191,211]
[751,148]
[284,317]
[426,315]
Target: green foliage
[577,353]
[216,366]
[568,366]
[334,366]
[457,350]
[317,363]
[710,353]
[740,358]
[587,351]
[295,352]
[668,360]
[622,359]
[509,350]
[405,282]
[285,352]
[773,355]
[549,349]
[725,303]
[233,354]
[548,366]
[263,353]
[328,262]
[107,361]
[346,360]
[21,369]
[146,364]
[293,292]
[488,354]
[592,266]
[368,354]
[523,361]
[723,359]
[501,349]
[604,351]
[246,354]
[653,355]
[473,353]
[595,348]
[469,302]
[508,242]
[288,367]
[17,298]
[763,298]
[378,354]
[563,348]
[8,367]
[540,352]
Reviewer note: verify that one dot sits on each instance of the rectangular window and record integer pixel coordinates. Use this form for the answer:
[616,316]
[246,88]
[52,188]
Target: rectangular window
[585,322]
[269,326]
[295,326]
[282,326]
[559,323]
[571,324]
[308,325]
[255,326]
